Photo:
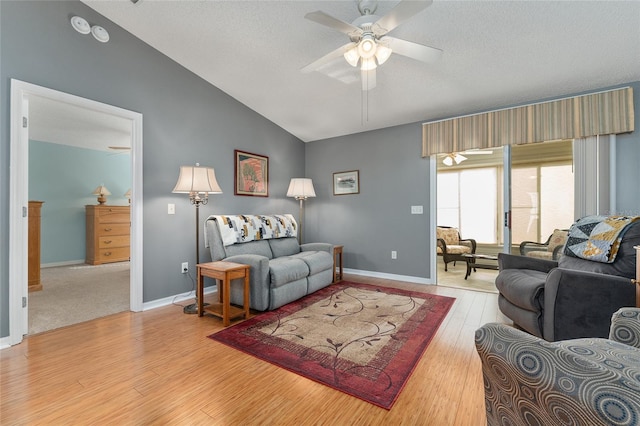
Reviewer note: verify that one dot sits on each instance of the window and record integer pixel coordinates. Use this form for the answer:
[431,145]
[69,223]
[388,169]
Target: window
[467,200]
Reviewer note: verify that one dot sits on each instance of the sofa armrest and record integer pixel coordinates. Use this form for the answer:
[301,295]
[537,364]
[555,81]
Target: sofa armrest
[259,279]
[580,303]
[625,326]
[511,261]
[317,247]
[533,244]
[469,242]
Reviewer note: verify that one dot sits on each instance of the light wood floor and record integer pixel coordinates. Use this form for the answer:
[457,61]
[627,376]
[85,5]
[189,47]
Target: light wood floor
[159,367]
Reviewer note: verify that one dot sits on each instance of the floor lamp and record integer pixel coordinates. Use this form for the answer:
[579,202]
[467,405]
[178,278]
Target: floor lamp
[198,182]
[301,189]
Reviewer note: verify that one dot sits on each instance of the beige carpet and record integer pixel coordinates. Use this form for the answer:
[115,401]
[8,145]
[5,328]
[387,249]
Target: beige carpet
[78,293]
[482,280]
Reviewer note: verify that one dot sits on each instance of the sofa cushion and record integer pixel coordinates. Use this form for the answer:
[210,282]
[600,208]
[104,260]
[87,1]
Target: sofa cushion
[284,270]
[455,249]
[522,287]
[261,248]
[449,235]
[558,238]
[284,247]
[539,254]
[317,261]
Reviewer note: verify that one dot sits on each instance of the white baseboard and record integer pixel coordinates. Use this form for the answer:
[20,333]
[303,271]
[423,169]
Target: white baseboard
[5,343]
[407,278]
[177,298]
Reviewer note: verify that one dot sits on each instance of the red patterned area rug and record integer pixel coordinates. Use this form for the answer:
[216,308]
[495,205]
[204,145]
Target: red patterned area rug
[361,339]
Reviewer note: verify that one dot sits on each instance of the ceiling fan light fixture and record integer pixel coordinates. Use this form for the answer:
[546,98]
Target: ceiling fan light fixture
[459,158]
[352,57]
[367,46]
[382,54]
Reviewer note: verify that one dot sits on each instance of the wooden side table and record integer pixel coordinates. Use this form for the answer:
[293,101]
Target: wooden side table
[337,263]
[223,273]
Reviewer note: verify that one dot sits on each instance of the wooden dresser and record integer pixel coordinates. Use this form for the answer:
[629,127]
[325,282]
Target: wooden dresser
[34,245]
[108,229]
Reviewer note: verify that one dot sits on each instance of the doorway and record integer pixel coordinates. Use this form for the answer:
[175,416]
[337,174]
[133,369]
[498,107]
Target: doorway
[21,95]
[472,196]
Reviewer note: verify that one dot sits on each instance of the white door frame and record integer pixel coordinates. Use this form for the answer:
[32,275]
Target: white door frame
[19,193]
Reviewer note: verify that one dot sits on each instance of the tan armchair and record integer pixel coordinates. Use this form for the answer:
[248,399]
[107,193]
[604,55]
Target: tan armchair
[451,246]
[550,249]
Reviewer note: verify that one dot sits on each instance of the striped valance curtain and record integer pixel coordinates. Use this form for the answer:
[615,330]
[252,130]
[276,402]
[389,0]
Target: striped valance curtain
[603,113]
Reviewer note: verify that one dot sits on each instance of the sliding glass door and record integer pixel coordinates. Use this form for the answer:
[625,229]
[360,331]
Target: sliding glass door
[503,196]
[542,191]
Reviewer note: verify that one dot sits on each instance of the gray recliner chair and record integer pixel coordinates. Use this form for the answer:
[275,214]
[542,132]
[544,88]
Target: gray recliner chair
[569,298]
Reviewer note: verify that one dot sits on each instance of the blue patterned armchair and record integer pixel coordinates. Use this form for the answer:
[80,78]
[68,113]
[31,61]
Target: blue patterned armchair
[590,381]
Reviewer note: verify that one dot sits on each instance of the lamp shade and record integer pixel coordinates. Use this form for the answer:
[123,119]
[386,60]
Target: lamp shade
[196,179]
[301,188]
[101,190]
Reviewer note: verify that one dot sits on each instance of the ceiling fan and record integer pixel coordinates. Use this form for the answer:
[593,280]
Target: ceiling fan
[370,45]
[457,157]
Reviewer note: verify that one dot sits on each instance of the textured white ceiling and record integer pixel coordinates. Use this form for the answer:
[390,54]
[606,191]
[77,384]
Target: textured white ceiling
[496,53]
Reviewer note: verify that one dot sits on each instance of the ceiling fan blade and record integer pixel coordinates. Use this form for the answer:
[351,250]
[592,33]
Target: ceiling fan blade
[413,50]
[368,78]
[313,66]
[403,11]
[344,27]
[477,152]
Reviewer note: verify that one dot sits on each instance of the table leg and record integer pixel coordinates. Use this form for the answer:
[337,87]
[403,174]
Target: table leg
[200,292]
[468,269]
[226,300]
[246,294]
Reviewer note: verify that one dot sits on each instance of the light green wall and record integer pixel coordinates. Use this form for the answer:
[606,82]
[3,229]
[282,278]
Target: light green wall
[64,177]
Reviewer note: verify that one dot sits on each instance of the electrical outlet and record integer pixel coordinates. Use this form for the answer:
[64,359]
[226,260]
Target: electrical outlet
[185,267]
[394,254]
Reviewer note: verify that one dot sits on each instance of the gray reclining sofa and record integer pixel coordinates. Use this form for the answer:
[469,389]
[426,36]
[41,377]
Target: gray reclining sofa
[281,269]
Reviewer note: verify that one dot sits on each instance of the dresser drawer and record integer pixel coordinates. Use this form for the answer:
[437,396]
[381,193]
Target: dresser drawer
[112,229]
[113,216]
[113,254]
[113,241]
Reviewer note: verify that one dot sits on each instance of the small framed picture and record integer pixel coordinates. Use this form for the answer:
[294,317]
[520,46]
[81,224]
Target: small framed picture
[251,174]
[346,182]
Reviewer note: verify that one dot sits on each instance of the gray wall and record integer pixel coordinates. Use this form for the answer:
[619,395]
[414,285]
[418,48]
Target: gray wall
[186,120]
[371,224]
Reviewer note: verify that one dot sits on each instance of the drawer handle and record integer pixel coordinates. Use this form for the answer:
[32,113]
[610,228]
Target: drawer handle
[108,242]
[108,253]
[108,229]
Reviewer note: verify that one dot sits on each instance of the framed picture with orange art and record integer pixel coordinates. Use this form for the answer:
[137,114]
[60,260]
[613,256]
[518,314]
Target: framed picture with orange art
[251,174]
